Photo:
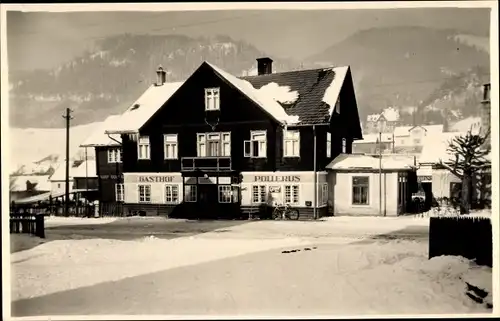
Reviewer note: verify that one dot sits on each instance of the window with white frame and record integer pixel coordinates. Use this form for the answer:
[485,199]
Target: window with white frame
[144,193]
[291,194]
[114,155]
[190,193]
[259,194]
[360,190]
[214,144]
[256,147]
[344,145]
[119,192]
[144,149]
[225,193]
[212,99]
[171,194]
[328,144]
[291,143]
[170,146]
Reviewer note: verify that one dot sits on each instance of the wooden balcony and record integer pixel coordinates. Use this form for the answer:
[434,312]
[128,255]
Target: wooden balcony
[221,163]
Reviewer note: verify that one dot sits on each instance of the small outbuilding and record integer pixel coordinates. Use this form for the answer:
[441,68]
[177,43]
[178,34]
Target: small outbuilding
[371,185]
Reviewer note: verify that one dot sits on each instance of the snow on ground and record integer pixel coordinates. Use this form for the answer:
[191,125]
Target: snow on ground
[69,264]
[450,212]
[51,221]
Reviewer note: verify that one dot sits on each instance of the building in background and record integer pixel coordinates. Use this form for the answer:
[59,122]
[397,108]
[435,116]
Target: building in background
[25,186]
[371,143]
[108,168]
[364,185]
[384,122]
[218,144]
[413,136]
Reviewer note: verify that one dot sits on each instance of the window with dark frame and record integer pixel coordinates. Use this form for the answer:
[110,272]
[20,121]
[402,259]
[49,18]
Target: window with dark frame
[360,190]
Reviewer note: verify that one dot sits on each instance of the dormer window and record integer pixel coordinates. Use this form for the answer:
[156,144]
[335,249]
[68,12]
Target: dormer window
[212,99]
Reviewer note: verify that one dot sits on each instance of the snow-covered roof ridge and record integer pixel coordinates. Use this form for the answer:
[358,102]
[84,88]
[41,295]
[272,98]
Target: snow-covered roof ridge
[143,108]
[85,169]
[430,129]
[262,98]
[331,94]
[370,162]
[99,136]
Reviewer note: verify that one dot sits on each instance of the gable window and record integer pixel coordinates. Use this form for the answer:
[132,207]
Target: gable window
[144,193]
[259,194]
[328,144]
[291,194]
[256,147]
[119,192]
[214,144]
[344,145]
[190,193]
[170,146]
[360,190]
[144,149]
[212,99]
[291,143]
[171,194]
[114,155]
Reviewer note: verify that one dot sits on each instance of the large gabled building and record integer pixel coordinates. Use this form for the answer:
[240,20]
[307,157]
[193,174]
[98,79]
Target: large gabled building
[219,144]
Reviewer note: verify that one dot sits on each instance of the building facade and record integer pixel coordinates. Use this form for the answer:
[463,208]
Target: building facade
[218,145]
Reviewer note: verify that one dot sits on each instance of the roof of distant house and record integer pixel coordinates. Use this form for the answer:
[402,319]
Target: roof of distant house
[347,162]
[430,129]
[294,97]
[374,138]
[18,183]
[85,169]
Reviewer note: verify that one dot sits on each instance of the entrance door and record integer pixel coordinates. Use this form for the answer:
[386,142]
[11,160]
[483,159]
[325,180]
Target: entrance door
[208,200]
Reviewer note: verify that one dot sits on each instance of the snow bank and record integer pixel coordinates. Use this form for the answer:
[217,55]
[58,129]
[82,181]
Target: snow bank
[445,211]
[58,220]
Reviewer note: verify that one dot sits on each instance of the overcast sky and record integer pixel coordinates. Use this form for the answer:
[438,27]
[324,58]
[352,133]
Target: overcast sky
[45,40]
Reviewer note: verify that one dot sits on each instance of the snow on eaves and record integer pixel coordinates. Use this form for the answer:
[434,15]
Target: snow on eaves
[99,136]
[143,109]
[262,98]
[332,92]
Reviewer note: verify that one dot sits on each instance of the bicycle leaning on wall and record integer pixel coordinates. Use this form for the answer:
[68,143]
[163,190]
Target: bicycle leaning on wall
[285,212]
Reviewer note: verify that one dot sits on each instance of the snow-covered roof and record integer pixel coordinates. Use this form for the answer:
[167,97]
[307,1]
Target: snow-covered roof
[263,98]
[82,170]
[435,147]
[368,162]
[333,91]
[143,109]
[373,138]
[18,183]
[469,123]
[99,136]
[430,130]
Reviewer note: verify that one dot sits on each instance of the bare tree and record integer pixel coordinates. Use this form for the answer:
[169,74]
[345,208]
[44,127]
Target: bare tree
[469,158]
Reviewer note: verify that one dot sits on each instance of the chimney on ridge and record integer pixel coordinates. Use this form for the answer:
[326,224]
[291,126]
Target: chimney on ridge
[264,66]
[161,76]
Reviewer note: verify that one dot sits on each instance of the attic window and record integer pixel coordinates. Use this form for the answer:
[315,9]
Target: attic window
[212,99]
[135,106]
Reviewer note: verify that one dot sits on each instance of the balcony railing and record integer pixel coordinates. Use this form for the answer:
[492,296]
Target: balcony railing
[221,163]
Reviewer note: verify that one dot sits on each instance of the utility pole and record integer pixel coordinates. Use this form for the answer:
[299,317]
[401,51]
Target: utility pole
[66,194]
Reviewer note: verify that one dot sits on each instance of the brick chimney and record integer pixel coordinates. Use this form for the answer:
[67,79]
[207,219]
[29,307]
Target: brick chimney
[161,76]
[264,66]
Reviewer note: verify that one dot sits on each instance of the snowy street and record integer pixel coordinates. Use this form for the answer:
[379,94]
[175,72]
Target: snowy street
[158,266]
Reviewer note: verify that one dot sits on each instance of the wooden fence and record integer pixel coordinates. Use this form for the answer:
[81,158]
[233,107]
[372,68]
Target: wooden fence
[25,223]
[462,236]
